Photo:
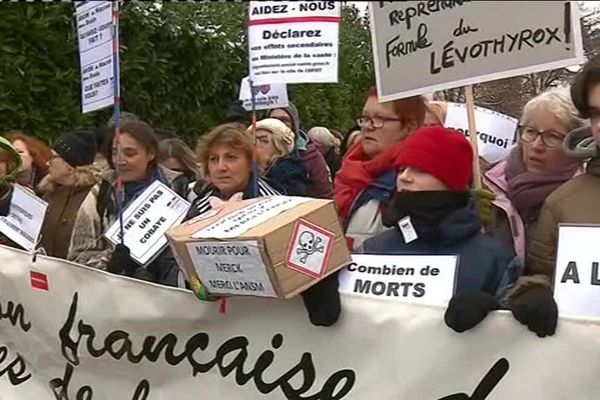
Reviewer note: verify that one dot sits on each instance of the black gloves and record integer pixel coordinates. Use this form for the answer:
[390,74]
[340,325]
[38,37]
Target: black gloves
[537,309]
[322,301]
[121,261]
[466,311]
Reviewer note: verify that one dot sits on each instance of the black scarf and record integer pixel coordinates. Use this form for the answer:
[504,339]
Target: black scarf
[426,210]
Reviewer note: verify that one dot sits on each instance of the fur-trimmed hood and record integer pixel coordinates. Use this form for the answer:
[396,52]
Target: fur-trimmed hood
[85,176]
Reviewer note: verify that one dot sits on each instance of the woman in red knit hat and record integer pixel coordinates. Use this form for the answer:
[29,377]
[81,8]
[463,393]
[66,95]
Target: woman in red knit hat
[433,201]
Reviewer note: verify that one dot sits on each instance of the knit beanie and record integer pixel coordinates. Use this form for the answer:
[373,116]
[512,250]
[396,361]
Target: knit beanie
[279,132]
[441,152]
[76,148]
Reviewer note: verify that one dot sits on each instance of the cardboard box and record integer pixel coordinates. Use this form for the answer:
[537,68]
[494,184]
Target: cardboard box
[270,247]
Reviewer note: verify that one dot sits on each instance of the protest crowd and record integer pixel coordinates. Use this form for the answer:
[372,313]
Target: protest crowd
[403,163]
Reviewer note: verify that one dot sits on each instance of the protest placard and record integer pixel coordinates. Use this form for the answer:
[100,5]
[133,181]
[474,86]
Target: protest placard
[293,41]
[425,46]
[412,278]
[232,267]
[24,221]
[106,336]
[577,278]
[266,96]
[95,37]
[146,220]
[495,131]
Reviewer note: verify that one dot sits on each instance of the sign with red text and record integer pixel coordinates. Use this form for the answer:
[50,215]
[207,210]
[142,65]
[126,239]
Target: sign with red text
[95,38]
[293,41]
[426,46]
[266,96]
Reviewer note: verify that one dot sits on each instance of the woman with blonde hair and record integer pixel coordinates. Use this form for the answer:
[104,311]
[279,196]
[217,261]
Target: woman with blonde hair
[277,159]
[534,169]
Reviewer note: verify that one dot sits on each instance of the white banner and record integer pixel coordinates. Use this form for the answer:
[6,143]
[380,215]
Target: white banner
[87,334]
[147,219]
[413,279]
[495,131]
[577,278]
[95,38]
[293,41]
[265,96]
[24,221]
[446,44]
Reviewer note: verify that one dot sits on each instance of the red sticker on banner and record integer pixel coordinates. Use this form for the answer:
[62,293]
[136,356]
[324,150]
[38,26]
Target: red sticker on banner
[309,249]
[38,280]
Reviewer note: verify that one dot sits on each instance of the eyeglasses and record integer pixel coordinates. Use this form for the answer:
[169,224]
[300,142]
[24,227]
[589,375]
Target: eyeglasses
[377,121]
[549,138]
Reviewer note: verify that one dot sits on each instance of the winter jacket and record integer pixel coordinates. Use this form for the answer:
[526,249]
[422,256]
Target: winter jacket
[89,247]
[312,157]
[63,204]
[288,176]
[202,203]
[365,219]
[484,263]
[575,202]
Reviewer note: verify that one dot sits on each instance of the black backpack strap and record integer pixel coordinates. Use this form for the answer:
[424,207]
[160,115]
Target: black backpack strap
[103,197]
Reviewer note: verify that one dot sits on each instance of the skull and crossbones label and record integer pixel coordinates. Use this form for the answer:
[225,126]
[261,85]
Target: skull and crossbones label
[309,249]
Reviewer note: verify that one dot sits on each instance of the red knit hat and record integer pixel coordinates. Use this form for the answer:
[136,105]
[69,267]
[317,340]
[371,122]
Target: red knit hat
[441,152]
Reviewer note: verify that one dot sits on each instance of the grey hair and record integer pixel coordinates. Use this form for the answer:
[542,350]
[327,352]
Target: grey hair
[558,102]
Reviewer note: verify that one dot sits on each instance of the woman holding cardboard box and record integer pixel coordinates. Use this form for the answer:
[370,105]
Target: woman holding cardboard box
[227,156]
[432,212]
[139,169]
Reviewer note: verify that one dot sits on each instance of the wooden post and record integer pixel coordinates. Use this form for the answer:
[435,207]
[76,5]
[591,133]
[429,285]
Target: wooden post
[473,136]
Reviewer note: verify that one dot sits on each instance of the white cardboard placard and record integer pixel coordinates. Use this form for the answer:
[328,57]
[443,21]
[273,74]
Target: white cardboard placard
[414,279]
[146,220]
[577,278]
[495,131]
[232,267]
[25,219]
[95,38]
[265,96]
[293,41]
[426,46]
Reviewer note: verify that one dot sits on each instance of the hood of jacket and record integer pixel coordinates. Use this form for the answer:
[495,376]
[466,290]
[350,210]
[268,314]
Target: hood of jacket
[580,144]
[85,176]
[293,113]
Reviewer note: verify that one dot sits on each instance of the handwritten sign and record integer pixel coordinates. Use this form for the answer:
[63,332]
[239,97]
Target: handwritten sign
[25,218]
[95,34]
[577,278]
[412,279]
[232,268]
[495,131]
[240,221]
[293,41]
[445,44]
[265,96]
[147,219]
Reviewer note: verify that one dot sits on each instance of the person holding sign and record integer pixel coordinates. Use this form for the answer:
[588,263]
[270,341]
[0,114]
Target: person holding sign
[533,170]
[226,154]
[277,160]
[71,175]
[138,168]
[308,152]
[367,180]
[577,201]
[433,213]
